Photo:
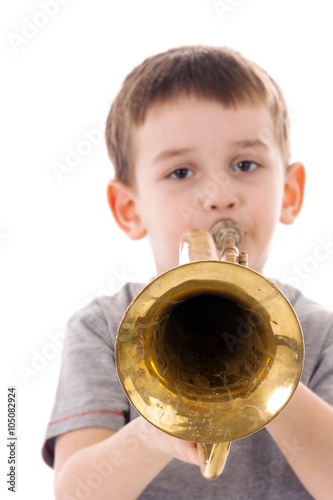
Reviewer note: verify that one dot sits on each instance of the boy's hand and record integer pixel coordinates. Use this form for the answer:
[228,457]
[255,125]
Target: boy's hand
[138,446]
[164,444]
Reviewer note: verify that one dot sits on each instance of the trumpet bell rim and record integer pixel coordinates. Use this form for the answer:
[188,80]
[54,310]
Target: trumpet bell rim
[204,413]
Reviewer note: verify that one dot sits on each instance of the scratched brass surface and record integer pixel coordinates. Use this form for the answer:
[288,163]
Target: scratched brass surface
[209,352]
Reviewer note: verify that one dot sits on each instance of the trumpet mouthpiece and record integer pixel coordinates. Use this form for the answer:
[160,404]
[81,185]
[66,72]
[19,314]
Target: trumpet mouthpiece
[227,229]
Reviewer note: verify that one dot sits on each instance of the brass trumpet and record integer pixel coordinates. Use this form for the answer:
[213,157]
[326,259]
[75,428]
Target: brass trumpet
[210,351]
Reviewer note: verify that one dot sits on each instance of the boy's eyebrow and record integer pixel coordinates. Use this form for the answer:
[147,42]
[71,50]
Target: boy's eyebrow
[171,153]
[251,143]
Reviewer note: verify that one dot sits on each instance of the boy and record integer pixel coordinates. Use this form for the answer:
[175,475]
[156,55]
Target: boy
[196,134]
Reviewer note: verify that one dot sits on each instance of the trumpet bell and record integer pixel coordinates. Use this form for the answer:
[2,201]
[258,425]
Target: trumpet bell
[209,352]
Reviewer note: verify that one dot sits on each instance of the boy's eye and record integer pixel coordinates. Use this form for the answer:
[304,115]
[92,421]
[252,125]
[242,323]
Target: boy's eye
[181,173]
[245,166]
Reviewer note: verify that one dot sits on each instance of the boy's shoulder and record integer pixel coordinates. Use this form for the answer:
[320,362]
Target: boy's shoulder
[315,319]
[103,314]
[305,307]
[121,298]
[114,306]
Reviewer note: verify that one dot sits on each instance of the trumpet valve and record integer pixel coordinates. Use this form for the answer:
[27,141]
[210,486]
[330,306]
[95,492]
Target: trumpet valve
[243,259]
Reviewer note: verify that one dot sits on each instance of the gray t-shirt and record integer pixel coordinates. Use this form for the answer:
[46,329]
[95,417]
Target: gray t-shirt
[89,395]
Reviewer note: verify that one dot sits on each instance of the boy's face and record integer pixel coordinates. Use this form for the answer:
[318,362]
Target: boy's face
[197,162]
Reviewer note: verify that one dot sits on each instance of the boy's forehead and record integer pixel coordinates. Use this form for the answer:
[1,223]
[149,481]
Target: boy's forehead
[197,104]
[254,118]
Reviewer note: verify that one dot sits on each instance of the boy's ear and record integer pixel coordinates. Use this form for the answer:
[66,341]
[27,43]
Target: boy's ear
[121,199]
[293,193]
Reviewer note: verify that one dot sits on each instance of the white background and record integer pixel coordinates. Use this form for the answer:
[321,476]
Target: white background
[59,246]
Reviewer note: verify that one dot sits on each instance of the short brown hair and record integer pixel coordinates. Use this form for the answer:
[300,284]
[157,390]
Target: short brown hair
[215,73]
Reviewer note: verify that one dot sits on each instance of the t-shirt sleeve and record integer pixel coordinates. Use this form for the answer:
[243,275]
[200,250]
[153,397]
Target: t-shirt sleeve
[317,326]
[89,393]
[321,381]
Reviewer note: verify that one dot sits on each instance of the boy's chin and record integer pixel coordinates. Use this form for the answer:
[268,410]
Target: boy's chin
[162,270]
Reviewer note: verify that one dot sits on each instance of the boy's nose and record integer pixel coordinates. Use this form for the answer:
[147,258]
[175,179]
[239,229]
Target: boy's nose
[219,197]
